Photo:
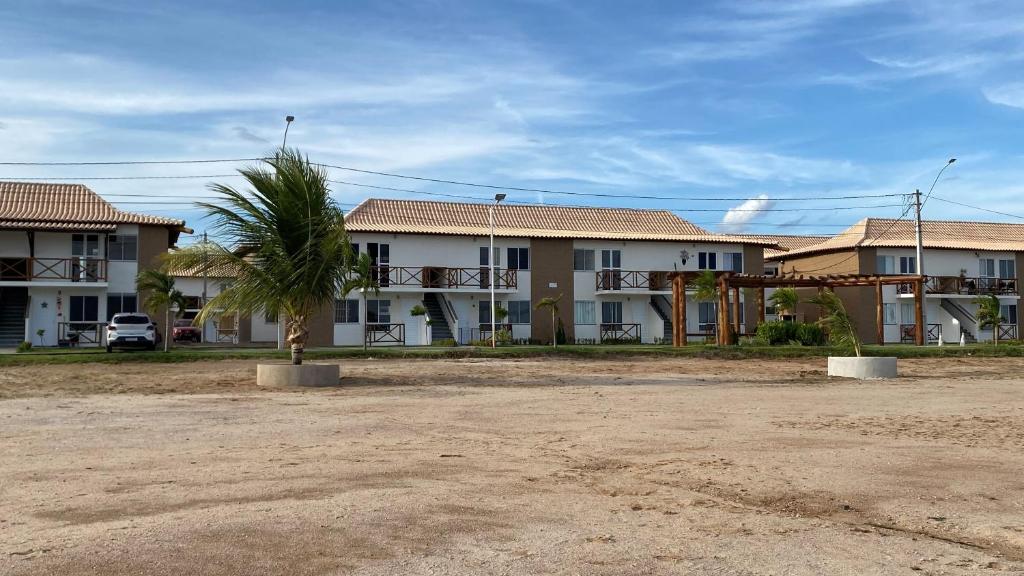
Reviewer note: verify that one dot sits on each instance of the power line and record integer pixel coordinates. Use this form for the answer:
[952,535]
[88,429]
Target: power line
[134,162]
[978,208]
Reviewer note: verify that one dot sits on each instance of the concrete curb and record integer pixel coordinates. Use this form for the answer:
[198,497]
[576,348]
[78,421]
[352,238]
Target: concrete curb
[864,368]
[288,375]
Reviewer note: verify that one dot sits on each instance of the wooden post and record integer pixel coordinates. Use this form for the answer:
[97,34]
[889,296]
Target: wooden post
[723,312]
[760,305]
[680,319]
[736,309]
[675,311]
[919,329]
[879,315]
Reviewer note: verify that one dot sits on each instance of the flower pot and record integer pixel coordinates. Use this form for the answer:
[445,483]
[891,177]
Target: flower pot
[289,375]
[863,368]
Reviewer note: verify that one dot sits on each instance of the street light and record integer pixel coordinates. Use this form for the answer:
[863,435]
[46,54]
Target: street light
[287,122]
[280,325]
[490,258]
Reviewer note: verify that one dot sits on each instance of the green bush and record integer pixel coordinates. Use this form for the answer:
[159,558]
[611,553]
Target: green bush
[444,342]
[25,347]
[781,332]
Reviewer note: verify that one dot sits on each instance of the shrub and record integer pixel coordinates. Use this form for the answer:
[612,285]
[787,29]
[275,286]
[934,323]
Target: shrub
[25,347]
[810,335]
[444,342]
[781,332]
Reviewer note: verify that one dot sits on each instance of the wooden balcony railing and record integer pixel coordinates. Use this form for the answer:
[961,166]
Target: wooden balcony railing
[443,277]
[633,280]
[908,333]
[75,269]
[619,332]
[1007,331]
[385,334]
[965,285]
[78,333]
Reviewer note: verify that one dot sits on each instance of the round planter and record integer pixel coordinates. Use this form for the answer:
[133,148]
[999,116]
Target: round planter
[284,375]
[863,368]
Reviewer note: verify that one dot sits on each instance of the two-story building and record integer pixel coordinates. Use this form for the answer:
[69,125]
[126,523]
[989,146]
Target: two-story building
[68,261]
[608,266]
[962,261]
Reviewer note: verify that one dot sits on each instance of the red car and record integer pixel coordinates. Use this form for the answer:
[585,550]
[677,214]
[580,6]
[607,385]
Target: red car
[184,331]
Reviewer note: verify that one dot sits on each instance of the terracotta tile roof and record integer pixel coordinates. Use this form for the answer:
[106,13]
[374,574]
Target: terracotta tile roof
[786,242]
[528,221]
[949,234]
[46,206]
[194,272]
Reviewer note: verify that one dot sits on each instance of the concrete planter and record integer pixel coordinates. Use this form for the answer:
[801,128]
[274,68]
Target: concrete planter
[285,375]
[864,368]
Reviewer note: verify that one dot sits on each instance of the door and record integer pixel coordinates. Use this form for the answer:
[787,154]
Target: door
[380,259]
[485,267]
[85,252]
[611,269]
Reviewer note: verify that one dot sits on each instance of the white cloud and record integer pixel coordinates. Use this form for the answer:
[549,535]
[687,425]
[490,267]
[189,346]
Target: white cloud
[1006,95]
[737,218]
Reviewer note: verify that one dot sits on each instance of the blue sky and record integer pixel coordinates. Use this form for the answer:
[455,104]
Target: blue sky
[759,100]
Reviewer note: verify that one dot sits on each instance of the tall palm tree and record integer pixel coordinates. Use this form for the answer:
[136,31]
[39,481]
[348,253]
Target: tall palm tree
[362,278]
[990,315]
[785,301]
[842,330]
[289,249]
[160,293]
[552,303]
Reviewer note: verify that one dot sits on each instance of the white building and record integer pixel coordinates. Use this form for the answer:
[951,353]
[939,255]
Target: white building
[68,262]
[962,260]
[609,266]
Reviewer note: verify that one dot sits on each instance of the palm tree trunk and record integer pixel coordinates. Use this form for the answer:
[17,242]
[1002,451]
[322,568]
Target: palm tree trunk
[167,328]
[554,330]
[995,334]
[366,315]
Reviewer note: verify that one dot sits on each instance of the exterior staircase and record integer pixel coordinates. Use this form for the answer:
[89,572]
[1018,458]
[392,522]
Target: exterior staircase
[12,316]
[968,323]
[439,328]
[663,309]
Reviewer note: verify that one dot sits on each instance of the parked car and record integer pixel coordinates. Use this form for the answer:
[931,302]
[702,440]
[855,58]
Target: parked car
[184,331]
[133,330]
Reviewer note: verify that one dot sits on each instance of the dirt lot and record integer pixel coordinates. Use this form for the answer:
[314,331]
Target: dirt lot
[514,467]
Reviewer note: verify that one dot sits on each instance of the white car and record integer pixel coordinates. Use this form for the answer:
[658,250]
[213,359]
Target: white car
[133,330]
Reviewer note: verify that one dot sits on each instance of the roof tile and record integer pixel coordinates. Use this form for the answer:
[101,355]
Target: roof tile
[49,206]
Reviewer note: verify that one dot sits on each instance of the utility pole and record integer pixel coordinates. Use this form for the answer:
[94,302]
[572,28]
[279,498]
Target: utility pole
[490,258]
[920,263]
[203,303]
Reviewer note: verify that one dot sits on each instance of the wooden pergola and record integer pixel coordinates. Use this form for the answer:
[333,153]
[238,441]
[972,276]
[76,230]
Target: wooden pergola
[729,285]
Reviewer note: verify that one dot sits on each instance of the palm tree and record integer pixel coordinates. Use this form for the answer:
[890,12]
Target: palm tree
[160,293]
[552,303]
[785,301]
[707,286]
[841,328]
[362,278]
[990,314]
[290,251]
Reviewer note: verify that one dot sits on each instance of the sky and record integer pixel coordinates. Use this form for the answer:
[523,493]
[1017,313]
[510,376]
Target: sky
[754,103]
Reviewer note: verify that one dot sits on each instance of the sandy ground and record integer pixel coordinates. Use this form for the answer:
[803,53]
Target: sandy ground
[514,467]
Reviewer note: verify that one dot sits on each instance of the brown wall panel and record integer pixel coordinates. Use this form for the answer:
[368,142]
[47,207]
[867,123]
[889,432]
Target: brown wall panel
[551,263]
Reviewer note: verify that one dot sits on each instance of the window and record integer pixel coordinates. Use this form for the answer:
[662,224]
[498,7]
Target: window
[380,259]
[987,268]
[585,312]
[707,260]
[378,311]
[889,313]
[611,259]
[519,311]
[118,303]
[484,312]
[1009,313]
[346,311]
[611,312]
[85,245]
[1007,269]
[885,264]
[84,309]
[771,270]
[484,261]
[518,259]
[582,260]
[271,317]
[769,310]
[733,261]
[122,247]
[906,313]
[707,316]
[908,264]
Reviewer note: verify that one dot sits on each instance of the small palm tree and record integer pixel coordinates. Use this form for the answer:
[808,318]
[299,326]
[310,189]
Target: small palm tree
[842,330]
[160,293]
[990,314]
[363,279]
[785,301]
[288,246]
[707,286]
[552,303]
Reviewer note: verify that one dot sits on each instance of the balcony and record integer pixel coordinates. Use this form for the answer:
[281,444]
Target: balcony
[53,270]
[619,333]
[442,279]
[633,281]
[964,286]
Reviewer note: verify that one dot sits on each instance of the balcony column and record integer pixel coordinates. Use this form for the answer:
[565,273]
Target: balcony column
[723,311]
[736,309]
[879,316]
[760,305]
[677,303]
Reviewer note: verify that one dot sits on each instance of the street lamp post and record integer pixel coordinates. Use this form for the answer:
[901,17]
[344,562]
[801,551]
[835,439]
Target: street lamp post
[490,258]
[280,324]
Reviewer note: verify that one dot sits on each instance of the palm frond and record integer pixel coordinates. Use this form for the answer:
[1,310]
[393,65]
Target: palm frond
[842,330]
